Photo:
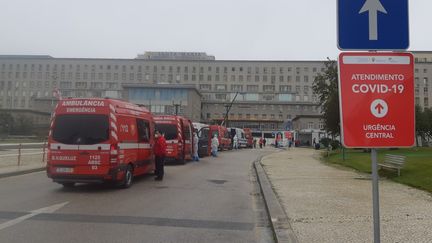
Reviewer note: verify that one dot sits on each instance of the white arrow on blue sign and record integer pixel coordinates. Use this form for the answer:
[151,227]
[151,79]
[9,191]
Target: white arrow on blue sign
[373,25]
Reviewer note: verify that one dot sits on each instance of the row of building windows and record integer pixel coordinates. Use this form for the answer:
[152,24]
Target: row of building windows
[154,77]
[267,107]
[247,116]
[258,97]
[425,81]
[417,70]
[255,88]
[156,68]
[9,85]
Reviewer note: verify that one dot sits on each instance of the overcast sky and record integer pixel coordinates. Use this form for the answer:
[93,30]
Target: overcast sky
[228,29]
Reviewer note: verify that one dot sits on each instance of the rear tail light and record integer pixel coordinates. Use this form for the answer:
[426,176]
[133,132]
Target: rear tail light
[113,153]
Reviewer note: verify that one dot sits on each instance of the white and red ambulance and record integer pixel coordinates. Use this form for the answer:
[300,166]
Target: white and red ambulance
[98,140]
[178,136]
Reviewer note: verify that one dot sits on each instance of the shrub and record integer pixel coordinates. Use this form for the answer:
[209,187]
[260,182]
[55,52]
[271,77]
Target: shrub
[335,144]
[325,142]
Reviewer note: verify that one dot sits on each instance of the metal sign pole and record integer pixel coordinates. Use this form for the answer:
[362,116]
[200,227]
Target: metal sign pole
[375,196]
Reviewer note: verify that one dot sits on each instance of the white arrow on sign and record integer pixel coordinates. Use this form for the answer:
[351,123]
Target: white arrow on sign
[373,7]
[50,209]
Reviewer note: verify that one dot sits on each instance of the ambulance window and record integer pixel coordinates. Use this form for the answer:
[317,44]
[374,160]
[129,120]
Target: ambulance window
[227,135]
[203,133]
[143,130]
[81,129]
[169,130]
[187,133]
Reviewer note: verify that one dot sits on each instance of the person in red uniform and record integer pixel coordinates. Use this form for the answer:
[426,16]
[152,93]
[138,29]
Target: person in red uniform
[160,152]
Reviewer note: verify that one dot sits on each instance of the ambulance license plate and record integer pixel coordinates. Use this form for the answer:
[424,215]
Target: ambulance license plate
[64,170]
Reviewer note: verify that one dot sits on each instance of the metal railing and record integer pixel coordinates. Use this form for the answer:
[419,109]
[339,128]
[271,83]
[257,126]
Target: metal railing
[25,153]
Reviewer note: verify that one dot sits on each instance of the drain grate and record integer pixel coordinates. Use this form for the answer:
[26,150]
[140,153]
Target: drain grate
[219,182]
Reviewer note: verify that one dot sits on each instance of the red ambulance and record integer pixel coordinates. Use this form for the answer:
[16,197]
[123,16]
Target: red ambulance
[248,136]
[223,136]
[178,136]
[98,140]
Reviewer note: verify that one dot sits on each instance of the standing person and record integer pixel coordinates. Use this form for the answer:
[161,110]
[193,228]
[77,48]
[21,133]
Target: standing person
[195,156]
[264,142]
[235,142]
[254,142]
[214,145]
[261,142]
[160,152]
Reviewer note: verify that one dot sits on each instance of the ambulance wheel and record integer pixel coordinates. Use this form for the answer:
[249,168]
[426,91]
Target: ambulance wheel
[182,160]
[68,184]
[128,178]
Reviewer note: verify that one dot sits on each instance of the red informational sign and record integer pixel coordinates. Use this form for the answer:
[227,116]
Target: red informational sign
[376,95]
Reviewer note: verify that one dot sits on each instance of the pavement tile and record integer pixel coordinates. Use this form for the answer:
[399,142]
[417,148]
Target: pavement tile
[330,204]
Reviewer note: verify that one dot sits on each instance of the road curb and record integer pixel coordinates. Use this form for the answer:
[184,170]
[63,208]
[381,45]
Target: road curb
[280,225]
[21,172]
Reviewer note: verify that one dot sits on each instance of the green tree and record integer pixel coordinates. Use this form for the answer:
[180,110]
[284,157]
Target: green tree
[427,119]
[423,119]
[325,85]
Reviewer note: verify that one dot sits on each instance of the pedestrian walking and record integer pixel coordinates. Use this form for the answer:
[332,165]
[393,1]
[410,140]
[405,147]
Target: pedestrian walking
[195,156]
[160,153]
[214,145]
[254,143]
[261,141]
[264,142]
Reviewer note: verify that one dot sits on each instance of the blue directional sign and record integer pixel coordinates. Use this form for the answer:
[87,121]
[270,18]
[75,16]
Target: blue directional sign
[373,25]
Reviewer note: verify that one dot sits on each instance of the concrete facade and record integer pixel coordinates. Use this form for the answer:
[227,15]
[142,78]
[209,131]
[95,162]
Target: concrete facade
[269,93]
[165,99]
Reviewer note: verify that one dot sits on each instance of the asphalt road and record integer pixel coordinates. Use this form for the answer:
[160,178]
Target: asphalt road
[214,200]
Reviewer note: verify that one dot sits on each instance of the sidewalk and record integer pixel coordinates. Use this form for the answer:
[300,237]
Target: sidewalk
[30,161]
[331,204]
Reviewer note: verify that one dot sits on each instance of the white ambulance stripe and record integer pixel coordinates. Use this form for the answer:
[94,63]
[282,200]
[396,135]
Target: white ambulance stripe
[64,146]
[144,146]
[112,108]
[134,146]
[49,134]
[113,125]
[114,135]
[102,146]
[52,122]
[113,117]
[187,141]
[128,145]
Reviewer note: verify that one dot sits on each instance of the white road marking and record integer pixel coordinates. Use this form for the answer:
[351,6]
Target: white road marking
[49,209]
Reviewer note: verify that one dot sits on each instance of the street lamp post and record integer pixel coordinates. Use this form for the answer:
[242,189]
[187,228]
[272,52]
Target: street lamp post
[228,108]
[225,120]
[176,106]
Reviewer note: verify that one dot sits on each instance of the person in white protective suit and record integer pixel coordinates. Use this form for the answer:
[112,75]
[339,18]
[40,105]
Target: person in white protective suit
[214,146]
[195,156]
[235,141]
